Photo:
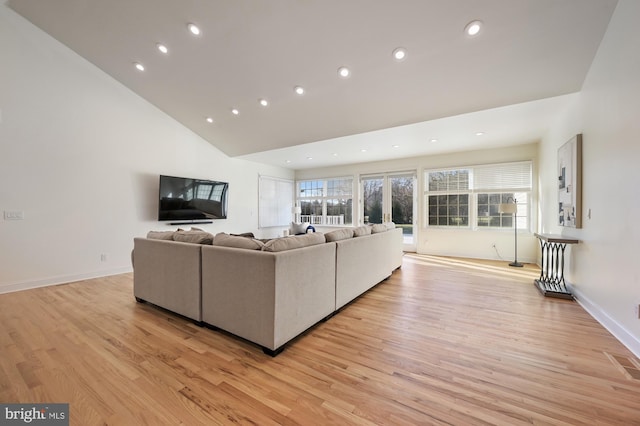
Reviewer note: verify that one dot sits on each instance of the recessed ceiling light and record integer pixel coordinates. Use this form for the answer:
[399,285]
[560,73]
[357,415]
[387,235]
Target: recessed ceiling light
[263,102]
[479,133]
[344,72]
[433,140]
[473,28]
[139,66]
[161,47]
[287,161]
[396,146]
[363,150]
[299,90]
[193,28]
[309,158]
[400,54]
[335,154]
[235,111]
[209,120]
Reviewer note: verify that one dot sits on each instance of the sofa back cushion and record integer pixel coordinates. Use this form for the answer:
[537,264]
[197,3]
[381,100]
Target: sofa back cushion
[196,237]
[294,242]
[244,234]
[226,240]
[378,227]
[160,235]
[361,231]
[339,234]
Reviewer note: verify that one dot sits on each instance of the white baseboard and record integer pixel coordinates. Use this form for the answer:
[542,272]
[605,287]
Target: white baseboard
[629,340]
[27,285]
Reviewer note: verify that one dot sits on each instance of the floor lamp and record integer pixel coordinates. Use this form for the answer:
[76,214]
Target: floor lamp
[512,208]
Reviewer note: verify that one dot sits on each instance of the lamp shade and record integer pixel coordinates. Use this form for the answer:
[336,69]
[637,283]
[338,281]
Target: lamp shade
[509,208]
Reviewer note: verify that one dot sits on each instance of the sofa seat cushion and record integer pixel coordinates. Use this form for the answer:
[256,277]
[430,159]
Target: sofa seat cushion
[195,237]
[339,234]
[294,242]
[226,240]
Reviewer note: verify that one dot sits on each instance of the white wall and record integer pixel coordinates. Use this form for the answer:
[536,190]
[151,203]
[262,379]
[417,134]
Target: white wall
[453,242]
[603,269]
[80,156]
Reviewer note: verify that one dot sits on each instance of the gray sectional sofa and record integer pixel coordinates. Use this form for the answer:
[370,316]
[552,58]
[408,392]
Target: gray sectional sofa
[265,292]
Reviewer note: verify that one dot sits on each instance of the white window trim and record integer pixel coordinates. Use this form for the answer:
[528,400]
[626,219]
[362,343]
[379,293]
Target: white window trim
[324,197]
[473,197]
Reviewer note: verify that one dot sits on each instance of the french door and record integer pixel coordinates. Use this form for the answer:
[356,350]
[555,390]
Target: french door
[391,197]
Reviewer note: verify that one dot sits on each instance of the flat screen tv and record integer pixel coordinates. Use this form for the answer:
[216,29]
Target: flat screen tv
[192,200]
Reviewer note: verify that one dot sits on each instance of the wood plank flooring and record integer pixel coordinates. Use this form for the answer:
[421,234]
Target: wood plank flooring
[443,341]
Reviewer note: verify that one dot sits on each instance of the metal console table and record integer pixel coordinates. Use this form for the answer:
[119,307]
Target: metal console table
[551,282]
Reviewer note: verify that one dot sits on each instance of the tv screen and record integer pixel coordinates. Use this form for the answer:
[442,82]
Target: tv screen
[184,199]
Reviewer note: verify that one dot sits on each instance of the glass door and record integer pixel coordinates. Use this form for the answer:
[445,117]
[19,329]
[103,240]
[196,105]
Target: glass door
[391,197]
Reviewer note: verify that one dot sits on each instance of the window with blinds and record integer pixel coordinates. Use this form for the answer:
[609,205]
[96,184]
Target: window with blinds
[275,202]
[470,197]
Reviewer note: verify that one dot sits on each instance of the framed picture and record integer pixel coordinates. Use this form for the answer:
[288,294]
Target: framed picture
[570,183]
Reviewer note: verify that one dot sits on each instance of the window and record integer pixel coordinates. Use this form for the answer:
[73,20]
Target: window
[470,197]
[488,210]
[326,201]
[448,199]
[275,201]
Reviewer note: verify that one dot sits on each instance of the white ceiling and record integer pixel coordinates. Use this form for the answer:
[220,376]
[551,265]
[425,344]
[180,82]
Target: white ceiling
[449,87]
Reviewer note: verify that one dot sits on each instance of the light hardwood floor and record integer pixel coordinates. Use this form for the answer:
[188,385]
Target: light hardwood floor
[443,341]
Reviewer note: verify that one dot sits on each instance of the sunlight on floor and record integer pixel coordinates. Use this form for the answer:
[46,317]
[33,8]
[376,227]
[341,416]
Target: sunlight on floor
[500,268]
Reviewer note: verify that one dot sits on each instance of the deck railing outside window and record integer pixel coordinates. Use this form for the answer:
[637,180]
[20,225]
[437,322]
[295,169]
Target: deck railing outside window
[317,219]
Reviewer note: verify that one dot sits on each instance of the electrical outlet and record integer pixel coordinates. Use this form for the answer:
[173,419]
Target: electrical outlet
[103,257]
[13,215]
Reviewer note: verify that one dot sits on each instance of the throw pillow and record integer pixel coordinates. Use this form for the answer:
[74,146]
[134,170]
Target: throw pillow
[339,234]
[298,228]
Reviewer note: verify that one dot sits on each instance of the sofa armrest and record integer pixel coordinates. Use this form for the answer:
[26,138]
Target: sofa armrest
[396,243]
[362,262]
[167,274]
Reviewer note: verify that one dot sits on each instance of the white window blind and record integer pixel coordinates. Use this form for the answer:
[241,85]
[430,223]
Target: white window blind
[275,202]
[507,176]
[470,196]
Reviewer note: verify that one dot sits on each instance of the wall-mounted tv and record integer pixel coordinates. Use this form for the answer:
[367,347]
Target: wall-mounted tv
[184,199]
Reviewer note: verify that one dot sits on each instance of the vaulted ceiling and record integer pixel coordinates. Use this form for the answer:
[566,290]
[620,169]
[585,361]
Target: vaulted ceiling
[508,81]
